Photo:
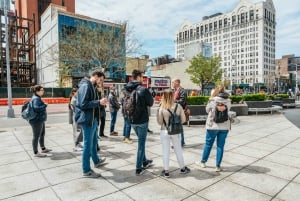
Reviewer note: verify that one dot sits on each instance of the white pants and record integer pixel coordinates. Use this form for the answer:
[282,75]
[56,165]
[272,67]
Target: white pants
[176,141]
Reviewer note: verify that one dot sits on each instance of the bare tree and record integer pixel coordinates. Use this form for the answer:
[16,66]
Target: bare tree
[88,46]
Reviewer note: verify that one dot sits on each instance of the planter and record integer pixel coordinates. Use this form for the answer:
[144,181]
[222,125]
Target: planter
[258,104]
[288,102]
[239,109]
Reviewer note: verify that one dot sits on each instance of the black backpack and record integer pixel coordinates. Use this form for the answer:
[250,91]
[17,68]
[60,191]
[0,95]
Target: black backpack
[129,104]
[174,125]
[221,116]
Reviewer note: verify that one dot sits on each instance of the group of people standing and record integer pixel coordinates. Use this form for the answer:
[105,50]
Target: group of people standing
[88,104]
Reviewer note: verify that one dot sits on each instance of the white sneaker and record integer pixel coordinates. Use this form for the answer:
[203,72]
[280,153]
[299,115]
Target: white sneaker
[218,169]
[40,155]
[101,162]
[91,174]
[201,164]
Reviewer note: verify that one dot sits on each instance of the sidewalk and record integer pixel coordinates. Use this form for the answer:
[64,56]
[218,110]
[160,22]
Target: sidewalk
[261,162]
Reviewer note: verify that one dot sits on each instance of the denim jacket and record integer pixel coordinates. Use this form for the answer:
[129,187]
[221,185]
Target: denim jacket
[40,108]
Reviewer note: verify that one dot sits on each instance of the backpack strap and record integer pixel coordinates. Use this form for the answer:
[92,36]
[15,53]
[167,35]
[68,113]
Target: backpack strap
[172,114]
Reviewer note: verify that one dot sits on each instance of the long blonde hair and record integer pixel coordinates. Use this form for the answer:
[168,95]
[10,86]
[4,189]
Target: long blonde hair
[167,99]
[218,89]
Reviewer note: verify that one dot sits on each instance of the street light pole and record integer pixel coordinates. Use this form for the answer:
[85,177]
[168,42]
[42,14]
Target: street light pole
[10,111]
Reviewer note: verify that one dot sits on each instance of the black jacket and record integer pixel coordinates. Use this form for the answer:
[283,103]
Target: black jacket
[181,98]
[144,100]
[86,103]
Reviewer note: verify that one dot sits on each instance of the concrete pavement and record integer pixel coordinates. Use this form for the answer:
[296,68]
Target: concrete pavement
[261,162]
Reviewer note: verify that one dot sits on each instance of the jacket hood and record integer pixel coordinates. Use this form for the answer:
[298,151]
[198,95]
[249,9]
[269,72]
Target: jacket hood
[223,95]
[84,81]
[219,99]
[132,85]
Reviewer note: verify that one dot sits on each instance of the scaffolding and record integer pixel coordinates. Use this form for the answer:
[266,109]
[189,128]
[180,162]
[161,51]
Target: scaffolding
[21,50]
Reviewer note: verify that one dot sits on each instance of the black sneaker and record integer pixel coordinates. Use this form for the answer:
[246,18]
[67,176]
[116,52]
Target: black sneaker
[185,170]
[165,174]
[140,171]
[147,164]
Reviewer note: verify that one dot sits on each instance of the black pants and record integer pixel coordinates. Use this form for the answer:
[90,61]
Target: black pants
[102,125]
[38,130]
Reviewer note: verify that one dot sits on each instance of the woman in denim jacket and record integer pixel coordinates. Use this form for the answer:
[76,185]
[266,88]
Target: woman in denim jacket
[38,123]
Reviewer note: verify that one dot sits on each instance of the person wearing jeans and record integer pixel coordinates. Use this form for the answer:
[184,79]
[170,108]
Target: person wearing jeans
[141,132]
[218,101]
[126,131]
[139,119]
[86,104]
[90,151]
[114,106]
[180,97]
[209,141]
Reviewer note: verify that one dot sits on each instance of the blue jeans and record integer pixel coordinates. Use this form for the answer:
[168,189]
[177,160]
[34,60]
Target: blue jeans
[141,132]
[113,116]
[210,138]
[127,128]
[182,139]
[89,146]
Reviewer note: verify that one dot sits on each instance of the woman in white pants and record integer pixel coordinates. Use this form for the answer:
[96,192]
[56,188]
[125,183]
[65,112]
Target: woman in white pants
[167,106]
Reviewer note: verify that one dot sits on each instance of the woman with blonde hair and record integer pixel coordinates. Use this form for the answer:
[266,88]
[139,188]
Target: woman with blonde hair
[216,128]
[166,108]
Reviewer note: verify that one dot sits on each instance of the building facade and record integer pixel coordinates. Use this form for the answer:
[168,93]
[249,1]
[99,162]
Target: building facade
[28,9]
[56,25]
[244,39]
[287,73]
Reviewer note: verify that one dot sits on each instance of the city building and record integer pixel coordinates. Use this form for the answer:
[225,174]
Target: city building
[287,72]
[35,8]
[56,25]
[20,40]
[244,39]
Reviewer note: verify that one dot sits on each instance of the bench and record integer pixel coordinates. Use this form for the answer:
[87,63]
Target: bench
[288,102]
[262,106]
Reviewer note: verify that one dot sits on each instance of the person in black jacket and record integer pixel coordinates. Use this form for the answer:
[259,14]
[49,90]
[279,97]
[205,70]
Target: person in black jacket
[114,107]
[140,121]
[86,104]
[180,97]
[38,123]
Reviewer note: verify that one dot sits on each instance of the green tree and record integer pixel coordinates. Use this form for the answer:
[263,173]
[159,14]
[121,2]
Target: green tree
[204,70]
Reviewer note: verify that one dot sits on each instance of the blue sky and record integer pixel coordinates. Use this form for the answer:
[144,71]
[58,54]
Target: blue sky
[155,22]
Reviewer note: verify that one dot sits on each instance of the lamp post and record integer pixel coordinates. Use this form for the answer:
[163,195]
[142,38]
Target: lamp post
[10,111]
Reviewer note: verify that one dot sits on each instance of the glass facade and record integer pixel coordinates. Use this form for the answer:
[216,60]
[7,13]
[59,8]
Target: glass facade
[112,57]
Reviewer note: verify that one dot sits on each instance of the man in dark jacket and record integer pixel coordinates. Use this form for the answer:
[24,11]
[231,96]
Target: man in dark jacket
[140,121]
[179,97]
[86,104]
[114,107]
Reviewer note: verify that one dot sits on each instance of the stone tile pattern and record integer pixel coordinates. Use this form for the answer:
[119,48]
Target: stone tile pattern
[261,162]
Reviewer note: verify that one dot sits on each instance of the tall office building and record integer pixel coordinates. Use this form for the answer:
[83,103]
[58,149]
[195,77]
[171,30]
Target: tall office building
[244,39]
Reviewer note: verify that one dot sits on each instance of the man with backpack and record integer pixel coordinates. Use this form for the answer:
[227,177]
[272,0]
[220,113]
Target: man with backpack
[135,108]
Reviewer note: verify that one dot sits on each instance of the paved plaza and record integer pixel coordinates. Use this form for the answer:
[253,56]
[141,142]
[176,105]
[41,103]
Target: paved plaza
[261,162]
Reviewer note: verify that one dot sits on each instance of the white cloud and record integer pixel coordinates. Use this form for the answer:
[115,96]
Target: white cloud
[158,20]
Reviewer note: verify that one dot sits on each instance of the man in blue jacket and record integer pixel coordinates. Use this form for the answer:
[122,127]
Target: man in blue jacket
[86,104]
[140,120]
